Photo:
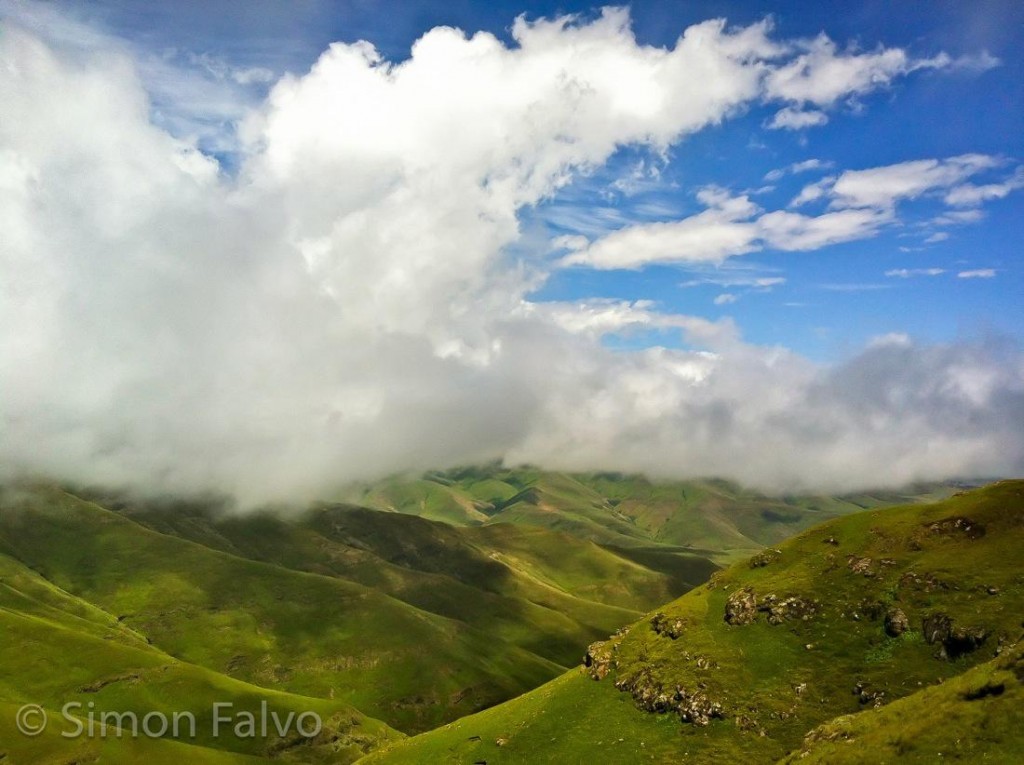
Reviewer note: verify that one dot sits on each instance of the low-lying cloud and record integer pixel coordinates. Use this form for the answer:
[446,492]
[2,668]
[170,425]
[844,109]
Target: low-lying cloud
[345,306]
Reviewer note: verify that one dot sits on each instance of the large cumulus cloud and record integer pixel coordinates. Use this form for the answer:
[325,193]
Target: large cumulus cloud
[345,305]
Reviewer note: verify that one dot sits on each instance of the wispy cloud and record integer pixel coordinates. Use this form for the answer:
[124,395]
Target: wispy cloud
[978,273]
[853,286]
[822,76]
[906,273]
[804,166]
[792,118]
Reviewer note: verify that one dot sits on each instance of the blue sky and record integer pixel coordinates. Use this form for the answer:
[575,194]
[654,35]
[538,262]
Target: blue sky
[834,298]
[784,247]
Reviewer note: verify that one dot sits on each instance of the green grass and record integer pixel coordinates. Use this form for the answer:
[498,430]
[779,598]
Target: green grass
[974,717]
[709,517]
[471,588]
[411,621]
[57,649]
[302,632]
[777,682]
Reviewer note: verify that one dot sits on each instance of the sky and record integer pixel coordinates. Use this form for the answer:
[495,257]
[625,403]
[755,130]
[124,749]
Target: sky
[268,248]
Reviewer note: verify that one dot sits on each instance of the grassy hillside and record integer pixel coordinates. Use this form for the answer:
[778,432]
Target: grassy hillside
[301,632]
[974,717]
[707,517]
[411,621]
[543,591]
[57,649]
[851,615]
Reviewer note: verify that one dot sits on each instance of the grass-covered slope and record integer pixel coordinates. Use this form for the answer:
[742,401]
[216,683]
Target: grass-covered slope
[57,649]
[542,590]
[300,632]
[623,511]
[851,615]
[974,717]
[412,621]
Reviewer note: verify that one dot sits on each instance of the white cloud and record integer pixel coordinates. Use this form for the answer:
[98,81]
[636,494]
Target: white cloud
[812,192]
[346,307]
[197,97]
[978,273]
[958,217]
[853,286]
[599,317]
[969,195]
[719,232]
[899,339]
[885,186]
[725,298]
[822,74]
[906,273]
[804,166]
[731,226]
[784,230]
[754,282]
[938,236]
[790,118]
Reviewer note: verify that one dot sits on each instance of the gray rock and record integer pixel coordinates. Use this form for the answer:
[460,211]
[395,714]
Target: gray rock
[896,622]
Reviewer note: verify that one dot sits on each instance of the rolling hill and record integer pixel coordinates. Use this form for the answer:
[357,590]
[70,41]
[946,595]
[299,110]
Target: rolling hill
[58,649]
[387,622]
[412,622]
[623,512]
[841,634]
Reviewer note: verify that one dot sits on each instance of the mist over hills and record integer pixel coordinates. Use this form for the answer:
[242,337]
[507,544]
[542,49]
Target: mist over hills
[511,382]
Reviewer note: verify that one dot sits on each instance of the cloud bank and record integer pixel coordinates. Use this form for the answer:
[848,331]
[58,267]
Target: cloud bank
[346,307]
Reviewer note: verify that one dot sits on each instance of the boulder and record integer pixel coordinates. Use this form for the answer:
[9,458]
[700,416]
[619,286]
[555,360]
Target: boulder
[862,566]
[668,627]
[896,622]
[741,607]
[963,640]
[936,627]
[598,660]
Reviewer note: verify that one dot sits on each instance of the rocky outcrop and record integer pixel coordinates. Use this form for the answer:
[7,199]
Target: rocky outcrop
[599,659]
[741,607]
[867,695]
[862,566]
[953,640]
[788,609]
[693,706]
[764,558]
[957,525]
[926,582]
[896,622]
[936,627]
[666,626]
[963,640]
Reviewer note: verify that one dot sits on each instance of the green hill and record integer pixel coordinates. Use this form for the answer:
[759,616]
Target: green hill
[973,717]
[867,609]
[410,621]
[57,649]
[624,512]
[301,632]
[386,620]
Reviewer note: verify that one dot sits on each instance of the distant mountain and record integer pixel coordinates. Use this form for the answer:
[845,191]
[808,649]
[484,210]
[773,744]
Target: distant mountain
[881,635]
[712,517]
